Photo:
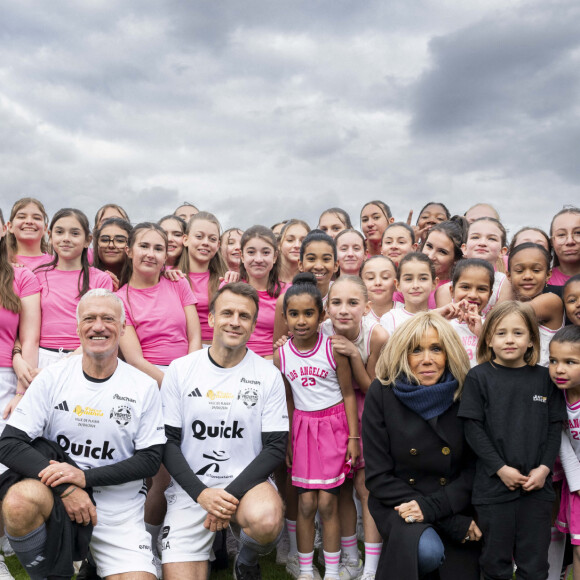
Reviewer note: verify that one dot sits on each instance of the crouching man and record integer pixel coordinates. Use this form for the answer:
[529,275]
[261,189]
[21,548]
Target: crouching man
[226,422]
[106,416]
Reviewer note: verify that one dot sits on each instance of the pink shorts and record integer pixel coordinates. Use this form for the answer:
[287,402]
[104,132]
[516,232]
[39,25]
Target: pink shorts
[319,444]
[568,520]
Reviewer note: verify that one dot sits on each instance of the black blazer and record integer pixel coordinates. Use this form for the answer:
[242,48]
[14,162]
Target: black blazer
[408,458]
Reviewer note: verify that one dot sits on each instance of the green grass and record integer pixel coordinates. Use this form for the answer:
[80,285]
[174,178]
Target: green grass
[270,570]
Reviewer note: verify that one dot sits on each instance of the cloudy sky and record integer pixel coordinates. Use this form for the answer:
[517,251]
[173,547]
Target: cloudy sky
[263,110]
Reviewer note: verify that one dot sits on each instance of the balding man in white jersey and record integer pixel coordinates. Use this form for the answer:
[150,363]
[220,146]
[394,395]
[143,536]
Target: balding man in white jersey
[106,416]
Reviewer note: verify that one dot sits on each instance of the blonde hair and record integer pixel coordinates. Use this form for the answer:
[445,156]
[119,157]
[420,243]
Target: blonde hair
[498,313]
[394,360]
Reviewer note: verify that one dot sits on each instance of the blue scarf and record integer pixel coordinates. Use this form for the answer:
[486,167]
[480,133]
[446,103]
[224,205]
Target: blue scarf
[428,402]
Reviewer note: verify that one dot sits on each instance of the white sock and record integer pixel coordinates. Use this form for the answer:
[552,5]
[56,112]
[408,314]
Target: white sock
[291,527]
[556,554]
[372,555]
[331,562]
[349,548]
[305,561]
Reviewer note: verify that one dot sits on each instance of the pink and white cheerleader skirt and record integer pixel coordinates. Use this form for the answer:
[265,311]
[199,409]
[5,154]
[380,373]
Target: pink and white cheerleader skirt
[568,520]
[319,445]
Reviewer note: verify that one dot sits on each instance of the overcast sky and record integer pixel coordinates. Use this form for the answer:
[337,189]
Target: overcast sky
[264,110]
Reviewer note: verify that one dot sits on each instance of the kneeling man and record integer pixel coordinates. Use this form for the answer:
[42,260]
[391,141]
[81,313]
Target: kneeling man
[226,422]
[106,416]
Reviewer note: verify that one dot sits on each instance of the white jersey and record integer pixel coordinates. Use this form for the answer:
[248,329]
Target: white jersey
[546,335]
[468,339]
[362,341]
[498,282]
[96,423]
[222,413]
[376,318]
[311,374]
[574,425]
[394,318]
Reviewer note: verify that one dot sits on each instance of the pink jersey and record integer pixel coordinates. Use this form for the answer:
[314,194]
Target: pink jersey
[32,262]
[262,339]
[557,278]
[158,317]
[58,299]
[200,284]
[25,284]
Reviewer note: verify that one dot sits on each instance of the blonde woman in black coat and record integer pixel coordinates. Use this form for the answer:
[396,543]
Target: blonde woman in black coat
[419,468]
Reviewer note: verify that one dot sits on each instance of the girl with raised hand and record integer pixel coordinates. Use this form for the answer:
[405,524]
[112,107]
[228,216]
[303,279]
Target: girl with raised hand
[528,271]
[398,241]
[471,288]
[231,249]
[350,248]
[431,214]
[174,227]
[260,268]
[513,421]
[486,240]
[565,235]
[290,240]
[162,321]
[375,216]
[333,220]
[361,340]
[63,280]
[26,238]
[110,247]
[379,274]
[203,264]
[322,410]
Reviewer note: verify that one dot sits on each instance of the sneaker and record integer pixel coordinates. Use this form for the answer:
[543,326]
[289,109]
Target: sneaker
[243,572]
[293,568]
[4,572]
[88,572]
[283,548]
[331,578]
[350,569]
[6,547]
[368,576]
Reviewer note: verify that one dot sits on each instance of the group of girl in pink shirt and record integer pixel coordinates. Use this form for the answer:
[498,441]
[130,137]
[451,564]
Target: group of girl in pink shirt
[369,281]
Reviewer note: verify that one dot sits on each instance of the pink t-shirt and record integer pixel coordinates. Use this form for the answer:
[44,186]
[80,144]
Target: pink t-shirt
[200,284]
[32,262]
[158,317]
[58,299]
[25,284]
[262,339]
[558,278]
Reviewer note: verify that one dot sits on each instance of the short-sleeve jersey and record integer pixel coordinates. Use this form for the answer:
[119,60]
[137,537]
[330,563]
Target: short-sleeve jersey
[222,413]
[394,318]
[96,423]
[498,282]
[468,339]
[59,298]
[573,424]
[25,284]
[158,317]
[311,374]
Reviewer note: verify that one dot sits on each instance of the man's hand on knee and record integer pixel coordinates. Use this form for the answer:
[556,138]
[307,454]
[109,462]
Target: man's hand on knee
[218,503]
[79,507]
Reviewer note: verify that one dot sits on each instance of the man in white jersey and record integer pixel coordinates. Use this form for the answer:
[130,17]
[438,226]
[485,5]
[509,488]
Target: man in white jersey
[105,416]
[226,422]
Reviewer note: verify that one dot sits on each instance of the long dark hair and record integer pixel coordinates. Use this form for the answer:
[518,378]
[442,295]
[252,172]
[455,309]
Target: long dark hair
[8,298]
[114,221]
[83,283]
